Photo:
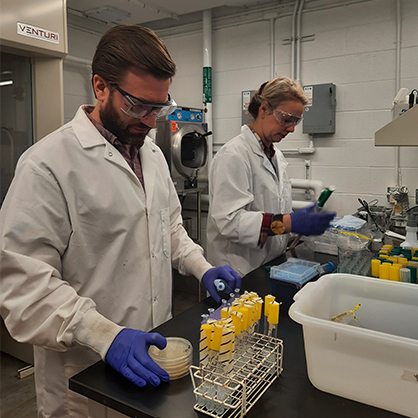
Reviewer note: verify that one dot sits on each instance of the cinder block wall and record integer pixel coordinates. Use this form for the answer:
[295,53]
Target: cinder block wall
[354,47]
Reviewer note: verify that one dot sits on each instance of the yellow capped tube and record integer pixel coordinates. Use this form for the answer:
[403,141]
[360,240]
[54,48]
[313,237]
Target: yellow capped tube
[215,343]
[205,337]
[237,321]
[236,303]
[384,271]
[245,317]
[375,267]
[267,300]
[226,322]
[394,273]
[225,348]
[225,312]
[232,351]
[273,317]
[403,261]
[259,303]
[245,296]
[251,308]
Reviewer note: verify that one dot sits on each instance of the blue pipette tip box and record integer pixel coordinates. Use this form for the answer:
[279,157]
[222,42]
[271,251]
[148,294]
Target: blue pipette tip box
[295,271]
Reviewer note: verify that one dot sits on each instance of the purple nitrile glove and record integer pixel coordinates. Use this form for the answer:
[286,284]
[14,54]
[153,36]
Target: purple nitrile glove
[308,222]
[230,276]
[128,355]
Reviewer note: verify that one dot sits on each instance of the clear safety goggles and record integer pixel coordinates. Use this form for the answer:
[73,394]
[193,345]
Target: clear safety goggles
[286,119]
[139,108]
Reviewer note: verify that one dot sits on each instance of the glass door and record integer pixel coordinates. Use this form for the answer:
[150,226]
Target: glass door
[16,117]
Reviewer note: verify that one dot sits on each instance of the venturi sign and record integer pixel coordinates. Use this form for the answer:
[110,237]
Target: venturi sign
[37,33]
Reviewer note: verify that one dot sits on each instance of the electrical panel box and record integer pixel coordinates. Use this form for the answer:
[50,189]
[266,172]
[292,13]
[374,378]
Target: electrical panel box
[319,115]
[246,97]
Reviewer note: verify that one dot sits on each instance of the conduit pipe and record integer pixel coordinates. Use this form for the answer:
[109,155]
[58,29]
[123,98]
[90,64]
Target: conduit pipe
[398,175]
[296,28]
[301,150]
[272,47]
[298,43]
[304,184]
[293,37]
[315,185]
[207,62]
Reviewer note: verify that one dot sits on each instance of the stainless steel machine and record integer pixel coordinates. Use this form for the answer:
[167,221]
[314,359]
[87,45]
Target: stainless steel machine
[182,136]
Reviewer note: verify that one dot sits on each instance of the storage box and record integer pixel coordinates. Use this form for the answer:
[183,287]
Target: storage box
[289,277]
[376,364]
[295,271]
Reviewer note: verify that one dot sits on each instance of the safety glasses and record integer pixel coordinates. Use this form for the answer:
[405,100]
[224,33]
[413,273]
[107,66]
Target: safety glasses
[139,108]
[286,119]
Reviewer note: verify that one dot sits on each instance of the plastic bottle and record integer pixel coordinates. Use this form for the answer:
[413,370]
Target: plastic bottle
[411,229]
[325,268]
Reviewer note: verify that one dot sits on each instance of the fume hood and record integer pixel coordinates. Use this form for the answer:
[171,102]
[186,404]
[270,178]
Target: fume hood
[402,131]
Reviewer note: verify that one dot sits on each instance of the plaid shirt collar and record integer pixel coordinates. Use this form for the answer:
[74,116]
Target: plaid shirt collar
[269,151]
[103,131]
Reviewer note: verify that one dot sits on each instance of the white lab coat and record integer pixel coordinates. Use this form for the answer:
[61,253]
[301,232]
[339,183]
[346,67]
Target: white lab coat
[244,185]
[82,242]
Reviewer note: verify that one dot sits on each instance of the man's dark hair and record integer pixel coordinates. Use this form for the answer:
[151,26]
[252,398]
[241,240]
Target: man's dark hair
[130,46]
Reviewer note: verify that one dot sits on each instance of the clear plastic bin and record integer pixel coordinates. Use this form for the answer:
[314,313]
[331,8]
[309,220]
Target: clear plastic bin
[377,363]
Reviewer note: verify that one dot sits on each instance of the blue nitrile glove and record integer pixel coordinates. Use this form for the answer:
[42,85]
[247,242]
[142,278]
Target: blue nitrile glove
[129,356]
[308,222]
[231,277]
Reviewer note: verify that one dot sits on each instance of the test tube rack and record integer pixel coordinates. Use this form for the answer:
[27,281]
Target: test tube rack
[253,373]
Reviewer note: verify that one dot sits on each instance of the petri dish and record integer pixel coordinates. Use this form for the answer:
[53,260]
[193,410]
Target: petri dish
[175,358]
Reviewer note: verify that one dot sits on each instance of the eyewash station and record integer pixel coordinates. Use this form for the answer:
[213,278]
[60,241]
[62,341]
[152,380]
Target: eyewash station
[328,329]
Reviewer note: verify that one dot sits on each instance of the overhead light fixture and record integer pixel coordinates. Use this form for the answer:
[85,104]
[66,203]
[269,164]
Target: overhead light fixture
[108,14]
[6,83]
[160,12]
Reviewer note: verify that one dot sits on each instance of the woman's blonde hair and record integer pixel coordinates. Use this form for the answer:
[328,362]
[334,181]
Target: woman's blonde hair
[274,92]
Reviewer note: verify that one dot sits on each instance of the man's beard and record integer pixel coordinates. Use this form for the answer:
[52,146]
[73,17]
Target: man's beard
[111,121]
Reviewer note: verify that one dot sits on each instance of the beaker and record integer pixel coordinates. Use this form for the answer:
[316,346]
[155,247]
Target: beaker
[353,255]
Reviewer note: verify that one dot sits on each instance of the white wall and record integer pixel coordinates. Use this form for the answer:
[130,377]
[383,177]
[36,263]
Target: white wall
[77,70]
[354,47]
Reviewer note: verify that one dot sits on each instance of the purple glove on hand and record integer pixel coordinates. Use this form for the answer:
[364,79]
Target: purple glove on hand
[308,222]
[231,277]
[128,355]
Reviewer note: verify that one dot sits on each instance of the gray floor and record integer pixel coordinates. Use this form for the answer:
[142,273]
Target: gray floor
[17,396]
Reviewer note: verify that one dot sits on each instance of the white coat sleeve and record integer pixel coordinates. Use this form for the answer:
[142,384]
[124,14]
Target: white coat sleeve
[38,306]
[231,196]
